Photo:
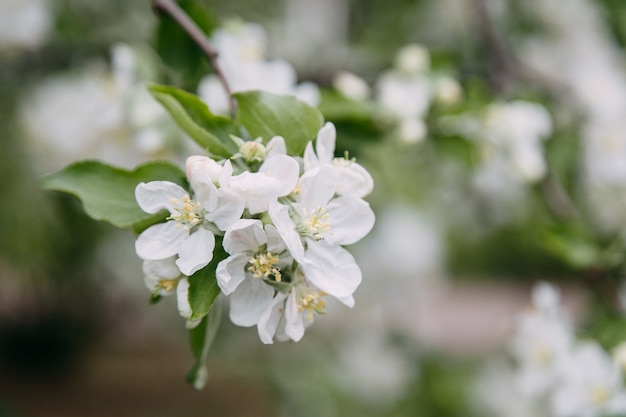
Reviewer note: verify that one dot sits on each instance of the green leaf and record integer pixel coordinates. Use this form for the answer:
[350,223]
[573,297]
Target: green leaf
[267,115]
[572,246]
[335,106]
[200,339]
[203,290]
[108,193]
[184,58]
[193,116]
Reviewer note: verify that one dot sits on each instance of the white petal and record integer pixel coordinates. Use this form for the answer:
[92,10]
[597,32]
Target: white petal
[182,298]
[158,195]
[196,251]
[285,169]
[294,326]
[160,241]
[276,146]
[354,180]
[350,219]
[202,168]
[310,159]
[318,187]
[275,243]
[268,322]
[325,144]
[155,271]
[349,301]
[212,92]
[286,228]
[231,272]
[229,209]
[332,270]
[250,301]
[244,235]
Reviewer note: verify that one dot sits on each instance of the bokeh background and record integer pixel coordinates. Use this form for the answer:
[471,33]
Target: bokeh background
[509,169]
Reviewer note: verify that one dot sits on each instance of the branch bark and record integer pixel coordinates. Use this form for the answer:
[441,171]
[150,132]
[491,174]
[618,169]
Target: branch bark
[200,38]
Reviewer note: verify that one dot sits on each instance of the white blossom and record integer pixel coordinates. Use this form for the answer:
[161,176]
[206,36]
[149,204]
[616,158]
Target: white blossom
[241,51]
[189,231]
[24,24]
[591,385]
[353,179]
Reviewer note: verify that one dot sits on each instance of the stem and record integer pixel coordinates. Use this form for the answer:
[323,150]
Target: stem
[502,61]
[557,199]
[200,38]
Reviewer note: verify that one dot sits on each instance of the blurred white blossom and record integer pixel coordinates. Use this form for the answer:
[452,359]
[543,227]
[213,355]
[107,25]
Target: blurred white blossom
[241,51]
[97,112]
[24,24]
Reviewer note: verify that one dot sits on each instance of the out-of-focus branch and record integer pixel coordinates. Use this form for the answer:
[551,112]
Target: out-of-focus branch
[557,199]
[502,71]
[199,37]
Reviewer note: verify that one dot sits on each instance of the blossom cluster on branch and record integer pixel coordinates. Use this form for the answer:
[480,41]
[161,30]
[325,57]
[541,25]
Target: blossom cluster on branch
[282,221]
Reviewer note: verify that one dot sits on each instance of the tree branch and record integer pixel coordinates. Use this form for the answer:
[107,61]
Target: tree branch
[503,72]
[200,38]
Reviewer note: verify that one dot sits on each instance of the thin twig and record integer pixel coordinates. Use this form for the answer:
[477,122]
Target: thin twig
[557,199]
[200,38]
[503,70]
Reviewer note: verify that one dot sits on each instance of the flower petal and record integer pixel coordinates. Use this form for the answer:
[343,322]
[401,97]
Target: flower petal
[229,209]
[154,271]
[231,272]
[160,241]
[286,228]
[285,169]
[354,180]
[275,243]
[250,301]
[196,251]
[317,187]
[182,298]
[276,146]
[332,269]
[310,159]
[294,326]
[268,322]
[158,195]
[350,219]
[244,235]
[325,143]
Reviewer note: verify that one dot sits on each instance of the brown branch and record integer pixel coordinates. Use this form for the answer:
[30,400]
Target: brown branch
[200,38]
[503,69]
[557,198]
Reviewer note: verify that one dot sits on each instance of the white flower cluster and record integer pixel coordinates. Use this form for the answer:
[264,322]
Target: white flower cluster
[24,24]
[284,223]
[405,93]
[241,49]
[114,117]
[556,374]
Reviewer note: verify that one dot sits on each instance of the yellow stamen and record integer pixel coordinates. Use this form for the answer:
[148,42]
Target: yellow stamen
[168,285]
[263,266]
[599,395]
[312,301]
[189,212]
[316,223]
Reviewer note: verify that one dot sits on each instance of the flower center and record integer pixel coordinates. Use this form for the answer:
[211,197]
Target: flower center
[188,213]
[168,285]
[542,355]
[315,223]
[263,265]
[311,301]
[599,395]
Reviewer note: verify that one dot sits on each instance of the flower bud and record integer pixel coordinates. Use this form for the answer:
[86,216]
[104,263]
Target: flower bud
[351,86]
[413,58]
[252,151]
